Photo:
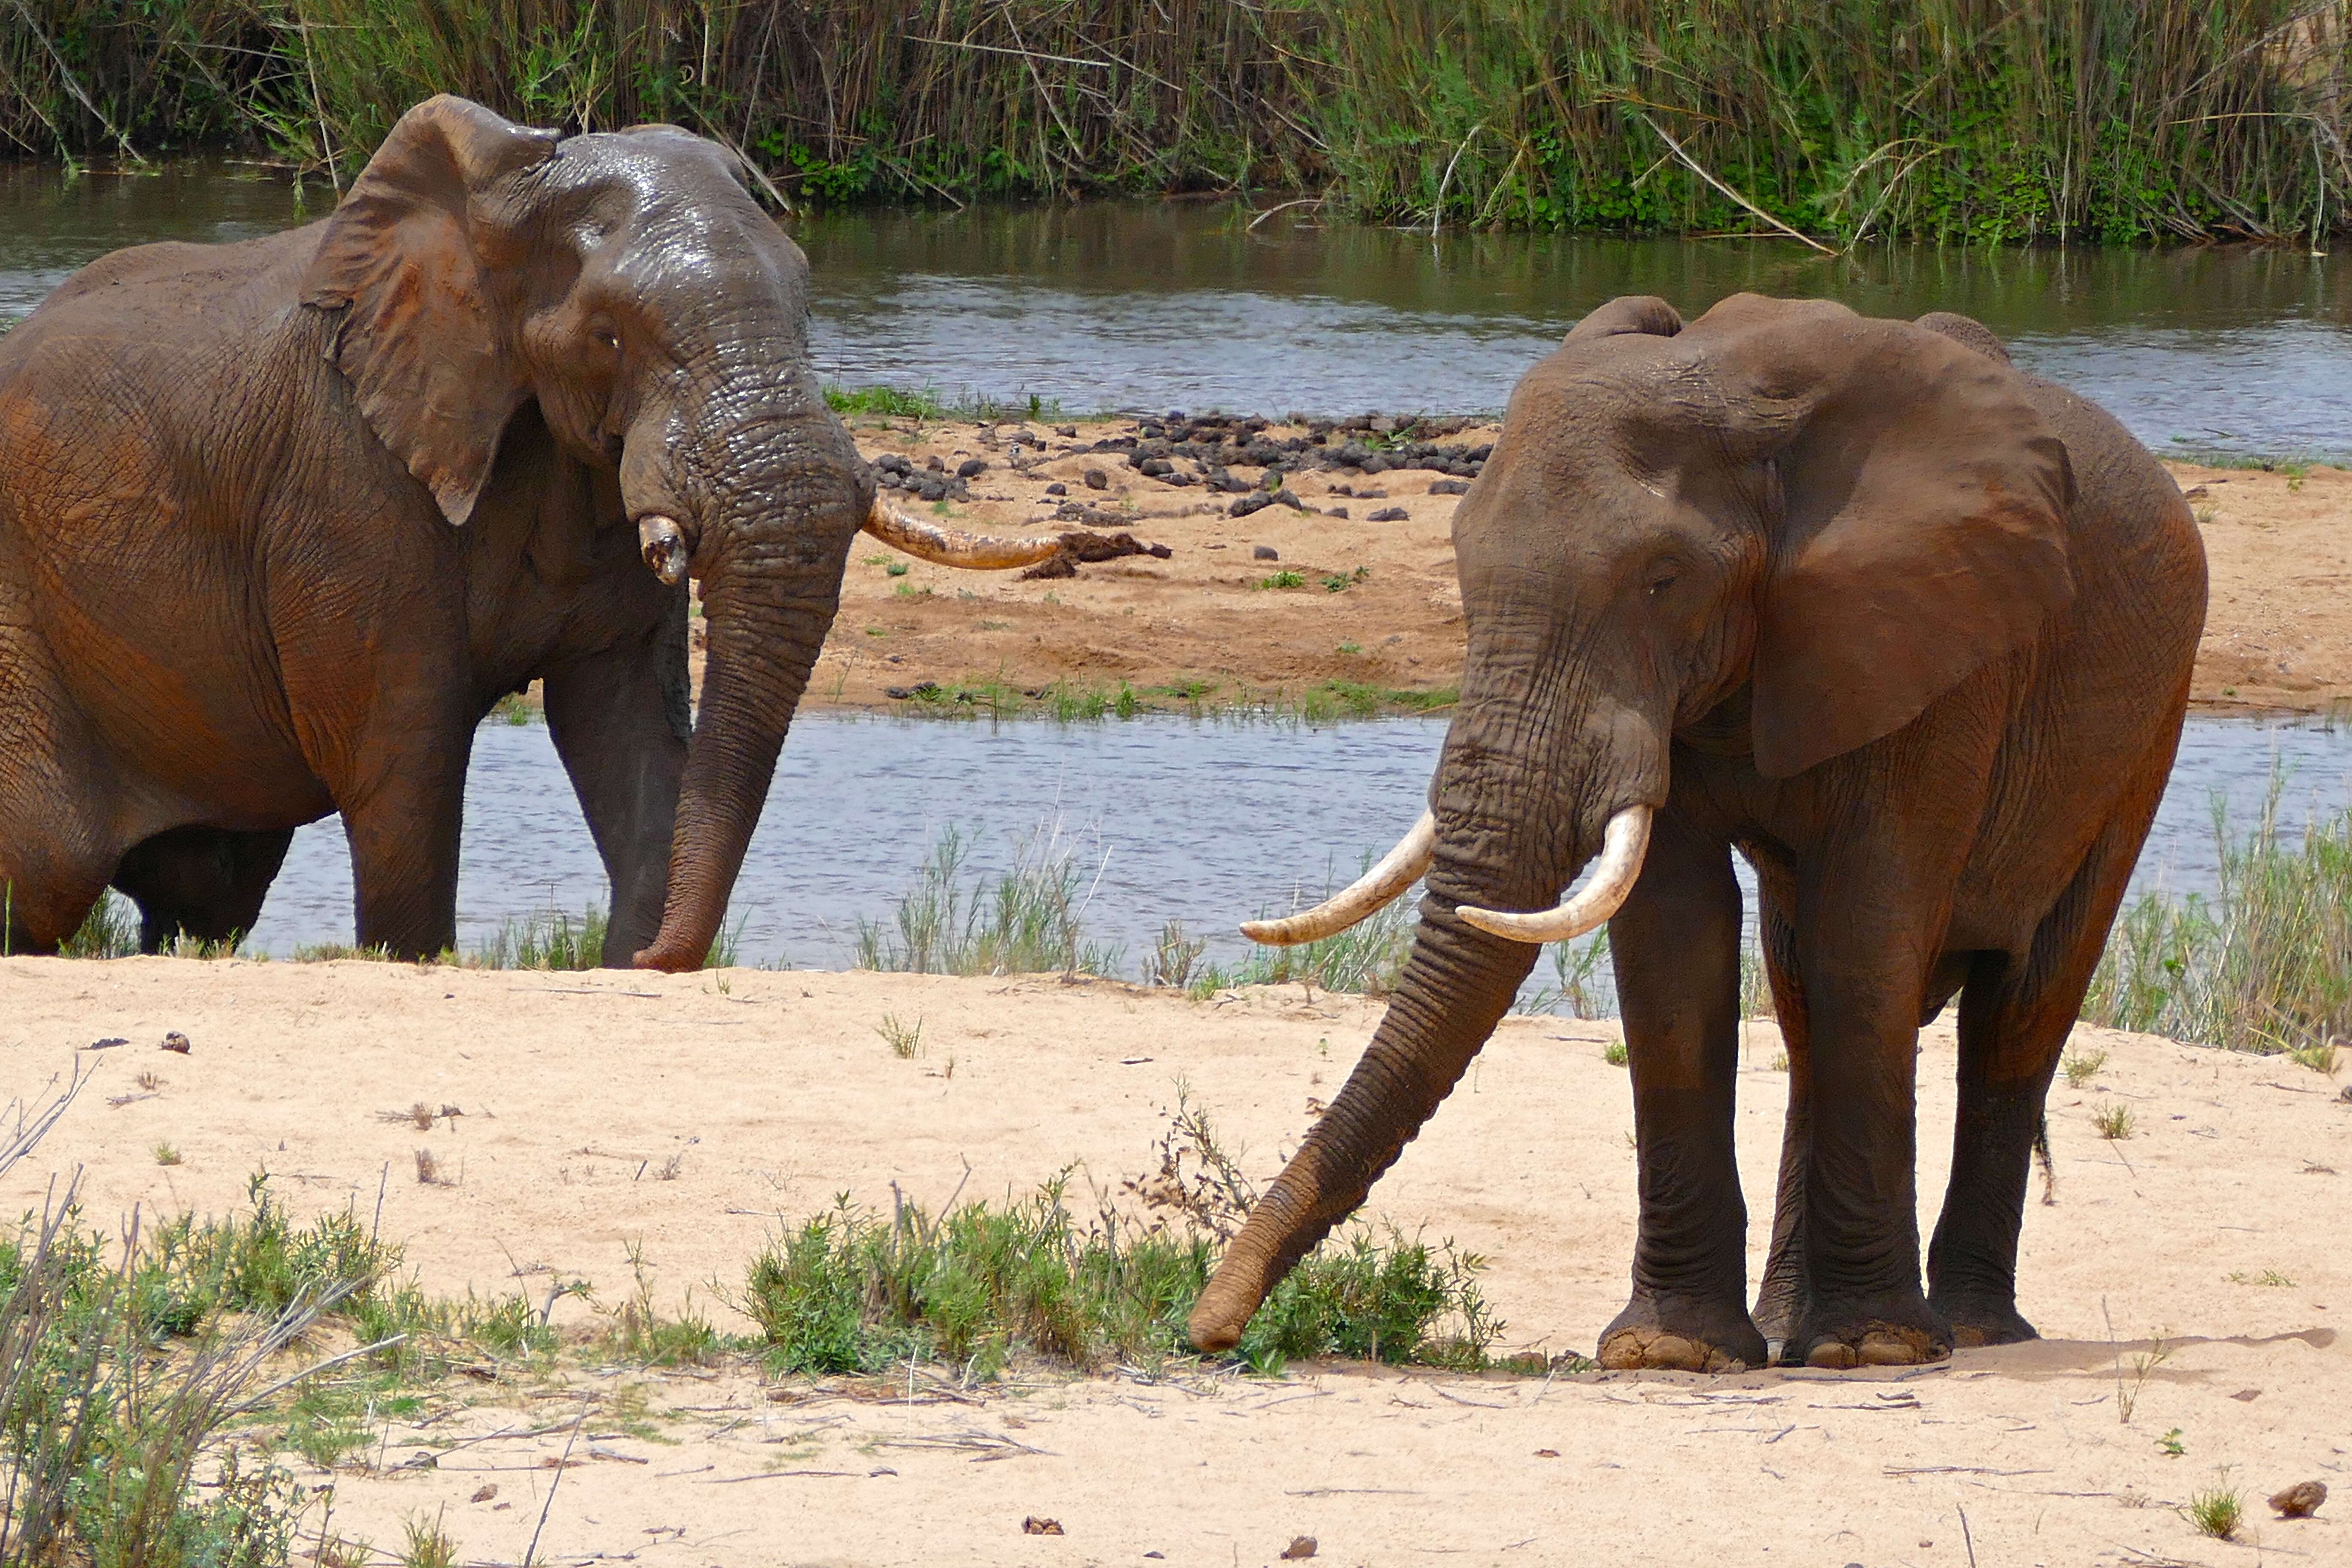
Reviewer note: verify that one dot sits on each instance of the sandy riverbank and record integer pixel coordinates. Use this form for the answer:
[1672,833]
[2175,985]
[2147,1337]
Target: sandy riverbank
[765,1094]
[2278,636]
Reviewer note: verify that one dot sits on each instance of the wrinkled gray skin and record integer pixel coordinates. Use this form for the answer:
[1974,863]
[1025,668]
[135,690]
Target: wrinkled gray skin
[1912,632]
[280,521]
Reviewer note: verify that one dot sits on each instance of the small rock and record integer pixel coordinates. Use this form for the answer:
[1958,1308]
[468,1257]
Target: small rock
[1065,431]
[485,1493]
[921,689]
[2195,492]
[1156,468]
[2346,1096]
[1033,1525]
[1391,514]
[1057,488]
[106,1044]
[1383,425]
[1339,511]
[1547,1453]
[1096,480]
[176,1041]
[1301,1547]
[1257,500]
[1449,487]
[1265,553]
[933,463]
[972,467]
[1287,498]
[2300,1500]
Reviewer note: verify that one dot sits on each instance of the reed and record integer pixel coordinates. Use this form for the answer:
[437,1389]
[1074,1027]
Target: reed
[2265,965]
[1952,120]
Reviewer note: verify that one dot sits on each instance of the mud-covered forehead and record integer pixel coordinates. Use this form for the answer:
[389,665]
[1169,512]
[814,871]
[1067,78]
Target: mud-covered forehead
[662,205]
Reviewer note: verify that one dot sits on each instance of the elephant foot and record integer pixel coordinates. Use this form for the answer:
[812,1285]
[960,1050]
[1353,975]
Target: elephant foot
[1681,1334]
[1841,1336]
[1980,1322]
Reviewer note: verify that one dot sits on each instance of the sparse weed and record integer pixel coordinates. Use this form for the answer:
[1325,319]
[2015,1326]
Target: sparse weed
[553,940]
[2269,1278]
[111,929]
[2082,1067]
[1616,1054]
[1581,987]
[1029,919]
[2216,1511]
[427,1546]
[2321,1056]
[431,1171]
[516,709]
[165,1155]
[2114,1121]
[1285,578]
[904,1040]
[1170,963]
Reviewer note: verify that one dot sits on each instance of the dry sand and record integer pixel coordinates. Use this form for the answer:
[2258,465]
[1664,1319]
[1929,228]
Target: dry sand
[2279,635]
[772,1093]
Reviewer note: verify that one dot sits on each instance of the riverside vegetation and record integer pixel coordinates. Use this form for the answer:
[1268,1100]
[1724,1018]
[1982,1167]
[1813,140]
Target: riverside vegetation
[1846,119]
[153,1391]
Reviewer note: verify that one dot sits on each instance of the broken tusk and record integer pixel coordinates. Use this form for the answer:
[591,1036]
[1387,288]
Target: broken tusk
[663,544]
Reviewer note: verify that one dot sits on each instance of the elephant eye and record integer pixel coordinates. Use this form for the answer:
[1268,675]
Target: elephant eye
[1661,583]
[610,341]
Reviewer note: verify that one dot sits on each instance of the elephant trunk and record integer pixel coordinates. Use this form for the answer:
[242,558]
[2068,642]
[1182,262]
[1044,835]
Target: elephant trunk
[1519,807]
[770,554]
[1455,987]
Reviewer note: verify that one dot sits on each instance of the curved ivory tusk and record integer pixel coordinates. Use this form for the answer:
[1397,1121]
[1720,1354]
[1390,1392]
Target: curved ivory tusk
[1621,863]
[953,546]
[1396,872]
[663,544]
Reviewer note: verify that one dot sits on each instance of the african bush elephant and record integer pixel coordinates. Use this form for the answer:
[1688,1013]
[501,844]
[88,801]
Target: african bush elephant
[1910,630]
[280,520]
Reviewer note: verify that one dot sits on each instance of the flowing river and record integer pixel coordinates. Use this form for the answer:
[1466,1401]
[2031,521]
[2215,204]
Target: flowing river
[1195,305]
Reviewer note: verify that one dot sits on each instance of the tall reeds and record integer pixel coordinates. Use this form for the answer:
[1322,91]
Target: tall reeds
[2264,965]
[1954,120]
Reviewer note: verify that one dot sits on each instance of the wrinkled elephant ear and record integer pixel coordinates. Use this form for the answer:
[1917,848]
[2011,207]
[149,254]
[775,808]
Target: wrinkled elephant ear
[1643,314]
[427,334]
[1922,532]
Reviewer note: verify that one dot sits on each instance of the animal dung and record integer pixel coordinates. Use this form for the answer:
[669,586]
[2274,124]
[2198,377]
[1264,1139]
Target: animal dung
[1033,1525]
[1300,1548]
[2300,1500]
[176,1041]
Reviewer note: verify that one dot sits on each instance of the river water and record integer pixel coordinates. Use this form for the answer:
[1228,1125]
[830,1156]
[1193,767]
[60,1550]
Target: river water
[1130,305]
[1187,304]
[1208,822]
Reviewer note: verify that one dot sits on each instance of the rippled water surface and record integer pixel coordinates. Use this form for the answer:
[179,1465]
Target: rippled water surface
[1184,304]
[1208,823]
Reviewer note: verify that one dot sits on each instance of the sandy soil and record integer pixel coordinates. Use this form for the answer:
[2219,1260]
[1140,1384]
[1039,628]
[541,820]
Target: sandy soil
[762,1096]
[2278,636]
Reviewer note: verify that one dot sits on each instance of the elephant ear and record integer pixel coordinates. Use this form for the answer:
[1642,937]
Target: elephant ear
[427,338]
[1645,314]
[1923,528]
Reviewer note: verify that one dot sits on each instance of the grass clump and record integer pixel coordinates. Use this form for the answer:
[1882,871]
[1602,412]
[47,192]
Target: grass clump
[852,1290]
[1285,578]
[2113,1122]
[904,1040]
[2265,966]
[2082,1067]
[889,402]
[1365,959]
[2216,1511]
[1025,920]
[554,941]
[111,929]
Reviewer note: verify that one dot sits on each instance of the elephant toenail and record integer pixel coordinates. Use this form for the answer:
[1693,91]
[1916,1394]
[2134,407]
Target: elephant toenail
[1833,1356]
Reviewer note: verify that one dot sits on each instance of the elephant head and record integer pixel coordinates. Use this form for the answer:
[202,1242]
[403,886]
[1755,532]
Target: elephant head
[1795,523]
[627,283]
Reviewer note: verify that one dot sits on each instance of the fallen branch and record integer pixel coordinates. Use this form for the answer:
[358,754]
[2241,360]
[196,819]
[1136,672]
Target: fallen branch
[1697,168]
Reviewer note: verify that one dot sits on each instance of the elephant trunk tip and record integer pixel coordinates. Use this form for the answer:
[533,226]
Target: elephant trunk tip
[1226,1307]
[669,956]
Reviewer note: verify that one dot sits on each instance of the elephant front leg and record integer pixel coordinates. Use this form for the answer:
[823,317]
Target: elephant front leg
[403,816]
[1676,942]
[618,718]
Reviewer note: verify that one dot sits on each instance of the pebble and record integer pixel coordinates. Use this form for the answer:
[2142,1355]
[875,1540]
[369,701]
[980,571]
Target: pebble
[1265,553]
[972,467]
[1391,514]
[1449,487]
[1096,480]
[1057,488]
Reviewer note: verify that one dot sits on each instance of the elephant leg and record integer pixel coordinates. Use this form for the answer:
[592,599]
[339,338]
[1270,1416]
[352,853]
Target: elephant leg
[618,725]
[403,815]
[204,882]
[1872,910]
[1676,942]
[55,843]
[2015,1015]
[1782,1298]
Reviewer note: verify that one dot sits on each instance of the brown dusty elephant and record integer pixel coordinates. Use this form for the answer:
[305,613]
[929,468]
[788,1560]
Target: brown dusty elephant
[280,520]
[1911,631]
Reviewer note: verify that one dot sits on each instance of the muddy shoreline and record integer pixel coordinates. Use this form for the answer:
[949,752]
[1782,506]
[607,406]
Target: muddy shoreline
[1356,610]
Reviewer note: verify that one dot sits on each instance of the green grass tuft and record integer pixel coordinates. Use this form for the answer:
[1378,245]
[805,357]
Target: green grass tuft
[1029,919]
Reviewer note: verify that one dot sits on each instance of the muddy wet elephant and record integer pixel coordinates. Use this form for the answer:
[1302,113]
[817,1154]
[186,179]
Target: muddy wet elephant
[280,520]
[1911,631]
